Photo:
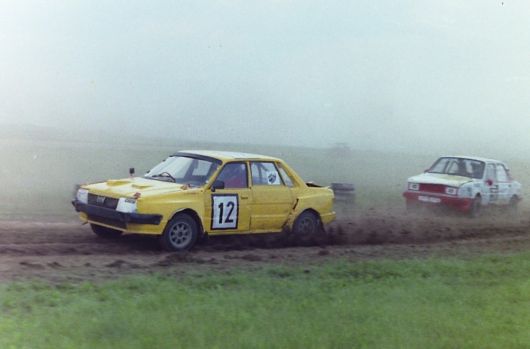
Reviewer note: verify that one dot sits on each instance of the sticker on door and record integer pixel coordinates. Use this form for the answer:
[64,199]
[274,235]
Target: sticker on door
[225,211]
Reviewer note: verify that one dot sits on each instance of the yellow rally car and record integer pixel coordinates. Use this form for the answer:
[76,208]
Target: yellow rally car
[192,193]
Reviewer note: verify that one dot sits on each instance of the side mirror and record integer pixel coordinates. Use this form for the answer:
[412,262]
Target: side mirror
[218,185]
[131,171]
[489,182]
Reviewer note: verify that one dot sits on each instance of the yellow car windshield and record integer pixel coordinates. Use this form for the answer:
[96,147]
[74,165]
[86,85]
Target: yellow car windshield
[183,170]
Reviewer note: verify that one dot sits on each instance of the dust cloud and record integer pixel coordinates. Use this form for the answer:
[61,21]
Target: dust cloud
[89,90]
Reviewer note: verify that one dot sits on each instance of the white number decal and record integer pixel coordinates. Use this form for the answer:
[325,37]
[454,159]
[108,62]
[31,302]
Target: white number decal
[225,211]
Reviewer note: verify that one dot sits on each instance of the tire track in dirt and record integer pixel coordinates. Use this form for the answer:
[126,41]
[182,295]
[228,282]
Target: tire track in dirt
[59,252]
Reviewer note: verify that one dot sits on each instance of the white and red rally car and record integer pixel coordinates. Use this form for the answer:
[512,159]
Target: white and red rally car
[464,183]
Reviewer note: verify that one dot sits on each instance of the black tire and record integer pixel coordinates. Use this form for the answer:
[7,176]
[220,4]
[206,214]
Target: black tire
[476,207]
[306,225]
[180,234]
[513,206]
[105,232]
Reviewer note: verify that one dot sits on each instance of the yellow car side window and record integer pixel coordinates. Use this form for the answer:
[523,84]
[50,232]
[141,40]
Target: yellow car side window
[286,179]
[234,175]
[265,173]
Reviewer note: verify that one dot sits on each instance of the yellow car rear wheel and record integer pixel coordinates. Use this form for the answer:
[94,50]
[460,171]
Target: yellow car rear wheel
[306,225]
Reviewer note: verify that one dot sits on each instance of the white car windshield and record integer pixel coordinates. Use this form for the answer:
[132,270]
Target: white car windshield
[185,170]
[458,167]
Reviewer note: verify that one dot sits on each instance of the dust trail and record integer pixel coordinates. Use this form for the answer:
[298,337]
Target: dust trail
[69,251]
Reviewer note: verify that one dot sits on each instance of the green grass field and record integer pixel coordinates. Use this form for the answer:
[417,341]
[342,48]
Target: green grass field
[437,303]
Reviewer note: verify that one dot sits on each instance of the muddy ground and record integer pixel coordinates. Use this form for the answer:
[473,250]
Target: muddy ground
[68,251]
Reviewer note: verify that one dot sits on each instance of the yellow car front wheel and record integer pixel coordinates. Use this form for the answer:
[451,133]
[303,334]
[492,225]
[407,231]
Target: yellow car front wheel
[180,233]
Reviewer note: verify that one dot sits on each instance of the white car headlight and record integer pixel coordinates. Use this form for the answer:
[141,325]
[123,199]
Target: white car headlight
[82,196]
[451,190]
[414,186]
[126,205]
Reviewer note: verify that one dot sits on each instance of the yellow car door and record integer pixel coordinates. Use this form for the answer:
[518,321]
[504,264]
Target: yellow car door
[272,200]
[227,201]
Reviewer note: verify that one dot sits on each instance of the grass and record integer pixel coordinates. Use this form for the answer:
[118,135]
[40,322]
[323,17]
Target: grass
[438,303]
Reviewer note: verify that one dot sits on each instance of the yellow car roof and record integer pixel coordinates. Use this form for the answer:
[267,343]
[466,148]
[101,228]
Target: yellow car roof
[227,155]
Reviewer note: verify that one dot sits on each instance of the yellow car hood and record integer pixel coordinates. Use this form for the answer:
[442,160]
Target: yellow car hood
[127,187]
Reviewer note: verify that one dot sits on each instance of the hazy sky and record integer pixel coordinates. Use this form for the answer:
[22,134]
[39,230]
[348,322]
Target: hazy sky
[383,74]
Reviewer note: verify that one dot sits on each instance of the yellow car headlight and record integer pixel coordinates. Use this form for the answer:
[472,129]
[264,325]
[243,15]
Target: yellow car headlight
[82,196]
[126,205]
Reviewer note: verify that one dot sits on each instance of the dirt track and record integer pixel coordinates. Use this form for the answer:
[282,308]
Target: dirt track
[68,251]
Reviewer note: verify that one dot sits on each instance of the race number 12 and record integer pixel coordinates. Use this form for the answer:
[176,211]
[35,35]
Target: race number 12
[225,211]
